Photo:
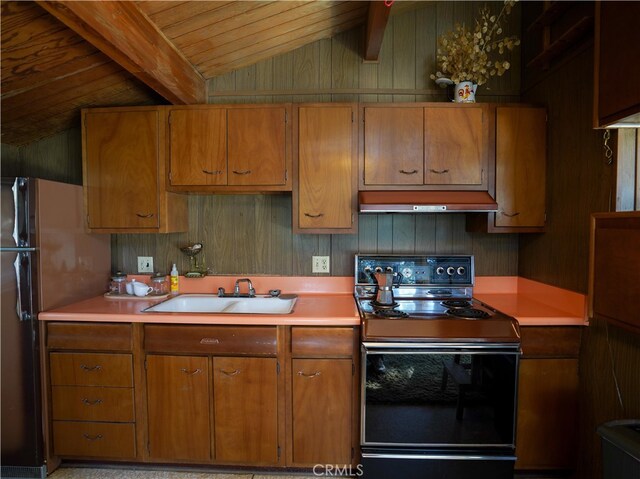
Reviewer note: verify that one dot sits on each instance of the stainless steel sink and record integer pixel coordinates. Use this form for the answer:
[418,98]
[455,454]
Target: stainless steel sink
[210,303]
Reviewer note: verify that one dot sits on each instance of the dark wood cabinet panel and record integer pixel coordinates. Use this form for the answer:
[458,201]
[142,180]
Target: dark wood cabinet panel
[178,419]
[321,342]
[91,369]
[245,410]
[77,403]
[94,439]
[322,411]
[92,336]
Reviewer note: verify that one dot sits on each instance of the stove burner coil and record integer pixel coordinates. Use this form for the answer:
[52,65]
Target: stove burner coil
[468,313]
[390,313]
[383,306]
[456,303]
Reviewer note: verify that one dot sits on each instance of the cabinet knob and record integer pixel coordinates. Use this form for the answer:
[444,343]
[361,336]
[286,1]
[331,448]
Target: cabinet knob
[510,215]
[312,375]
[243,172]
[405,172]
[191,372]
[84,367]
[141,215]
[230,373]
[214,172]
[314,216]
[92,438]
[89,402]
[438,172]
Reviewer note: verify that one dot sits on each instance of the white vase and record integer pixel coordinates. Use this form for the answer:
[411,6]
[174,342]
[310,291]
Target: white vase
[465,92]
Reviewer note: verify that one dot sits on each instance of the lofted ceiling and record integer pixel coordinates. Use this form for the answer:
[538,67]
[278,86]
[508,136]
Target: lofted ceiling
[61,56]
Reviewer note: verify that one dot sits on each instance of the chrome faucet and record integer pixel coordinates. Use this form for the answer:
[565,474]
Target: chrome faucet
[236,289]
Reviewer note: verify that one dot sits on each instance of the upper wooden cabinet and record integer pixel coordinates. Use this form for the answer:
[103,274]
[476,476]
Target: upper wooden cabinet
[124,173]
[424,146]
[324,195]
[521,146]
[617,66]
[241,148]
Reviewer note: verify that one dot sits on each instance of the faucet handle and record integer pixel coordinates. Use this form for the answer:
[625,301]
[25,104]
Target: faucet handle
[221,292]
[274,293]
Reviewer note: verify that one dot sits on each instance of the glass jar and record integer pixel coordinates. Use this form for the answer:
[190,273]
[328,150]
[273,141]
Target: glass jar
[118,283]
[158,284]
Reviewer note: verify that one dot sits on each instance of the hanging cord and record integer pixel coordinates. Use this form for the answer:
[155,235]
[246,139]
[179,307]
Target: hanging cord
[613,369]
[608,152]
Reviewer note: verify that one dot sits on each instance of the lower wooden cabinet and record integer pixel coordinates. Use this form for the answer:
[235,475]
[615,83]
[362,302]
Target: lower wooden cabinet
[245,403]
[178,421]
[548,398]
[322,411]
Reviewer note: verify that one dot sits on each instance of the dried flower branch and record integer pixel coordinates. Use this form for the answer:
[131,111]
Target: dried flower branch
[464,55]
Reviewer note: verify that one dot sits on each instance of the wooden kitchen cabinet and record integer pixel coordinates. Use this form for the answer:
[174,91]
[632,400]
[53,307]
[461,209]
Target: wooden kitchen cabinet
[178,420]
[91,391]
[232,148]
[548,398]
[325,187]
[245,410]
[323,396]
[124,172]
[424,146]
[520,173]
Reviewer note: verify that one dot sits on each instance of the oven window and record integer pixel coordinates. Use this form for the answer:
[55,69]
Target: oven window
[439,399]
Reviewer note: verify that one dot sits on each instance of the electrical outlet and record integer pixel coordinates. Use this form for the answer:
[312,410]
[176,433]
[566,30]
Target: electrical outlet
[320,264]
[145,264]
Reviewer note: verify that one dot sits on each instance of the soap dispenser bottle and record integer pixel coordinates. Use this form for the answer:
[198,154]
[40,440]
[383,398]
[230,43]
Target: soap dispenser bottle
[174,279]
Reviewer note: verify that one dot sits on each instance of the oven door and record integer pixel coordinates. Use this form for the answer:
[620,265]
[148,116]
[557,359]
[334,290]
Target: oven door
[446,398]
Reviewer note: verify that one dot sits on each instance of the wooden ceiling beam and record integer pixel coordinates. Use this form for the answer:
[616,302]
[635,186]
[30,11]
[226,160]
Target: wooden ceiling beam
[126,35]
[376,24]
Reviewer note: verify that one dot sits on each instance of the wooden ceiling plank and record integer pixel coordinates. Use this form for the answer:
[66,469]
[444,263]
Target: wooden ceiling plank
[155,7]
[270,36]
[376,24]
[230,18]
[204,41]
[226,65]
[187,12]
[125,34]
[17,14]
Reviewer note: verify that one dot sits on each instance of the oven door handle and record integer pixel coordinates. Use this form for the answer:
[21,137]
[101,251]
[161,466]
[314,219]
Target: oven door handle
[445,457]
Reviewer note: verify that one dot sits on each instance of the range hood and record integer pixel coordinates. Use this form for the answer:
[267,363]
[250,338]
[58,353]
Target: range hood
[425,201]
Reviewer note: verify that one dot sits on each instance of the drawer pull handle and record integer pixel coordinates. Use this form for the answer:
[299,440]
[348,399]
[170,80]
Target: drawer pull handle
[405,172]
[232,373]
[192,371]
[89,402]
[314,216]
[92,438]
[209,341]
[510,215]
[310,376]
[97,367]
[148,215]
[243,172]
[214,172]
[439,172]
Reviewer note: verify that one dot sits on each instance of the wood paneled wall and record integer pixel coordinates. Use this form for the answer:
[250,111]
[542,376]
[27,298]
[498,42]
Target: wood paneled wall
[252,234]
[56,158]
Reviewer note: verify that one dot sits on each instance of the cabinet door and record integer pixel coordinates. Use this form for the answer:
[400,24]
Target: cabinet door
[547,409]
[245,405]
[178,408]
[198,139]
[121,169]
[257,146]
[393,146]
[454,145]
[326,176]
[322,405]
[520,166]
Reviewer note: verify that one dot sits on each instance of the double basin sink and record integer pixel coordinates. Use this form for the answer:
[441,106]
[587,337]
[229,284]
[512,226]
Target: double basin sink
[211,303]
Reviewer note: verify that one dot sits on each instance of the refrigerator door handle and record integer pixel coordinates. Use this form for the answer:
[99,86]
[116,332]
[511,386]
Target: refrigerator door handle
[24,303]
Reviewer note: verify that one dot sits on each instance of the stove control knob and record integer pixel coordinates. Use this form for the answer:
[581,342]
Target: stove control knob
[378,269]
[367,269]
[389,269]
[406,272]
[461,270]
[439,270]
[451,271]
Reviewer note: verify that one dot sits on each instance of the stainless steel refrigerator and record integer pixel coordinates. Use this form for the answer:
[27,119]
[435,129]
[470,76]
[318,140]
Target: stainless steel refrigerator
[48,261]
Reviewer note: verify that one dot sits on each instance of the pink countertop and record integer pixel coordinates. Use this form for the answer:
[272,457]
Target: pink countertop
[328,301]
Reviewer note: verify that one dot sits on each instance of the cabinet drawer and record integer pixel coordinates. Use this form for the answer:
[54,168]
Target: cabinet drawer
[322,341]
[83,403]
[551,341]
[112,337]
[88,369]
[236,340]
[94,439]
